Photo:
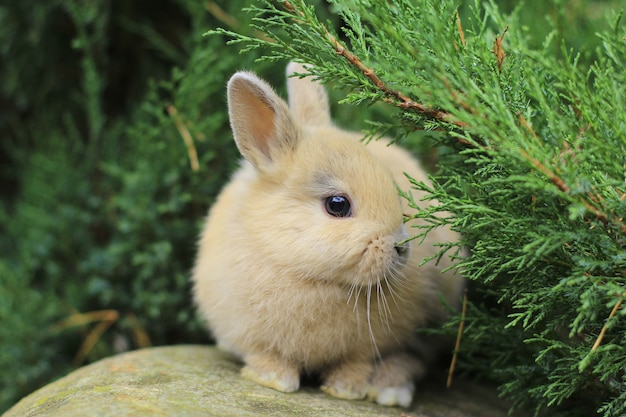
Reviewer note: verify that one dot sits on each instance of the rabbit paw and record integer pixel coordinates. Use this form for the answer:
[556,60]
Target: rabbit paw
[392,383]
[391,396]
[348,381]
[272,373]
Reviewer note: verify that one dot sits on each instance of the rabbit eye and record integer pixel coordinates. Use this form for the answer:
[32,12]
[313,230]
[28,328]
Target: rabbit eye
[338,206]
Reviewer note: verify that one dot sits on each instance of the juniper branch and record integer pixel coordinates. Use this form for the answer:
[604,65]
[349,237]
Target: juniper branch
[396,96]
[561,185]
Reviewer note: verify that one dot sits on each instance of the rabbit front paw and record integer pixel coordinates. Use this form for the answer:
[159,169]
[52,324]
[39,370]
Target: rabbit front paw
[348,381]
[272,373]
[391,396]
[393,380]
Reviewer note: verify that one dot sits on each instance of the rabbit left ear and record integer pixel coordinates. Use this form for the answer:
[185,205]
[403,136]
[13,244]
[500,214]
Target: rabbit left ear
[308,99]
[261,121]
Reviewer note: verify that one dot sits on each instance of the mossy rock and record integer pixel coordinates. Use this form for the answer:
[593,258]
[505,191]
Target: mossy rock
[203,381]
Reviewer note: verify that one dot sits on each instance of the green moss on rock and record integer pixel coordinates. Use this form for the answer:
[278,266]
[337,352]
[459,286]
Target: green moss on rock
[203,381]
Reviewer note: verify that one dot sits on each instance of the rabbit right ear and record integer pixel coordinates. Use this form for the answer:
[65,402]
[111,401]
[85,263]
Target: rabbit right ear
[262,125]
[308,99]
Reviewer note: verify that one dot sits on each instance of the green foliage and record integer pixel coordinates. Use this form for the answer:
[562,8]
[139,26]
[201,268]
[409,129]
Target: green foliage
[102,105]
[531,166]
[106,107]
[25,314]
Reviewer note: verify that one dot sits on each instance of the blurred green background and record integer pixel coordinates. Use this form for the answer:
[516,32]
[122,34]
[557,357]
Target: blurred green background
[114,141]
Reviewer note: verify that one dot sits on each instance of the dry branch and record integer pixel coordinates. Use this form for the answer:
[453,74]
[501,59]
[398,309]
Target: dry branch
[498,50]
[457,345]
[186,135]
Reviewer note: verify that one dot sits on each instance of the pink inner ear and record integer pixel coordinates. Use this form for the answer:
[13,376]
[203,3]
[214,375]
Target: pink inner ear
[262,122]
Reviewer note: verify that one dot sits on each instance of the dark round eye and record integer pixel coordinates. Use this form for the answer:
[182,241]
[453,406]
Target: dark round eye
[338,206]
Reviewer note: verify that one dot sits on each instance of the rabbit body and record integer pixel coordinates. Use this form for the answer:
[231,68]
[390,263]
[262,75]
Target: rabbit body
[291,282]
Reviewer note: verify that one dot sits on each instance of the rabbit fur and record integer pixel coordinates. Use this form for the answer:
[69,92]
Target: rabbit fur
[291,289]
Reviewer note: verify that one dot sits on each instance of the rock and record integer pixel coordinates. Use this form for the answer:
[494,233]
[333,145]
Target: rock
[203,381]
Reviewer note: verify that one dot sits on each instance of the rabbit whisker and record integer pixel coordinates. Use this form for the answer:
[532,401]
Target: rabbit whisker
[352,293]
[400,277]
[384,310]
[392,292]
[396,278]
[374,345]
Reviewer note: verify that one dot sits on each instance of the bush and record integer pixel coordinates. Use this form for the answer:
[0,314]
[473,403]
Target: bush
[532,143]
[115,142]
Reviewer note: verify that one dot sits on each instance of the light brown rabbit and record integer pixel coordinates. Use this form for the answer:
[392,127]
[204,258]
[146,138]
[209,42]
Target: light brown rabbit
[301,268]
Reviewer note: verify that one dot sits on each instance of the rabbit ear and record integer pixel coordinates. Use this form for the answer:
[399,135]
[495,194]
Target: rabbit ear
[308,100]
[263,128]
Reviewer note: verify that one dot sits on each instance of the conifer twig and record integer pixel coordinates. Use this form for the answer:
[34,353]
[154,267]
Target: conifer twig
[460,28]
[402,100]
[142,339]
[561,185]
[186,135]
[458,340]
[105,319]
[92,338]
[498,50]
[223,16]
[598,342]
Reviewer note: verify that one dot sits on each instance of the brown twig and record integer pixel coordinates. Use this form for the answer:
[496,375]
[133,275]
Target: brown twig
[92,338]
[458,341]
[561,185]
[555,179]
[498,50]
[142,339]
[186,135]
[528,127]
[81,319]
[106,318]
[598,342]
[458,24]
[221,15]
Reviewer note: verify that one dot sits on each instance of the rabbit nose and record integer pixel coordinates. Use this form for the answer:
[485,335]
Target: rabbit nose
[402,246]
[402,250]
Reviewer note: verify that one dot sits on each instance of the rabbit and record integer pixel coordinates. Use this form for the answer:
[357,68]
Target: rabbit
[303,265]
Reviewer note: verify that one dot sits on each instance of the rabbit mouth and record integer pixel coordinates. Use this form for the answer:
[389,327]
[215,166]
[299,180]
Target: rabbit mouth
[377,287]
[382,260]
